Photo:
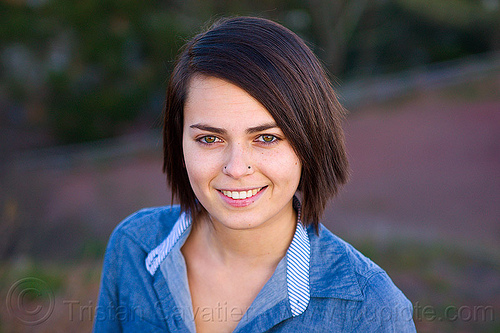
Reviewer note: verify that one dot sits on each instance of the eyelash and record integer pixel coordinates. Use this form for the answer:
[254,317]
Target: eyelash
[203,139]
[275,139]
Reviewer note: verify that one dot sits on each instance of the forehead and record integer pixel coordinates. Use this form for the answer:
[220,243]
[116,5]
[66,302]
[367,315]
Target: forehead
[216,101]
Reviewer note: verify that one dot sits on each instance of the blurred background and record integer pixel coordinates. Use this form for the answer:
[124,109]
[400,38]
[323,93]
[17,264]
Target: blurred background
[81,93]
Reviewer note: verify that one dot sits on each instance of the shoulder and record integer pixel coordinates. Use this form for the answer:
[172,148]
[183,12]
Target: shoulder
[126,285]
[340,271]
[384,308]
[147,227]
[337,269]
[336,246]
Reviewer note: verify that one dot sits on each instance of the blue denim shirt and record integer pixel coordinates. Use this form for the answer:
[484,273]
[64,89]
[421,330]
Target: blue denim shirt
[322,285]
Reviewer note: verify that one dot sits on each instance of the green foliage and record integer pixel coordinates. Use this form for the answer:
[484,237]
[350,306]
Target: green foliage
[94,67]
[116,59]
[31,273]
[93,250]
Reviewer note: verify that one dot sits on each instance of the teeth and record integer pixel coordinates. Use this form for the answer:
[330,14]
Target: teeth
[241,194]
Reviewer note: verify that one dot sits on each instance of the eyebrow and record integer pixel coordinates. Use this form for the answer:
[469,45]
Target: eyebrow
[222,131]
[208,128]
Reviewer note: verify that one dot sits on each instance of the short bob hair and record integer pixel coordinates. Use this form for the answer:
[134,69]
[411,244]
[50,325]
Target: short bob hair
[276,67]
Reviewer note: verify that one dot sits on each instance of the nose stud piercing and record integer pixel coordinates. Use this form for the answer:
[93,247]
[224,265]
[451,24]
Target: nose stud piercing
[248,167]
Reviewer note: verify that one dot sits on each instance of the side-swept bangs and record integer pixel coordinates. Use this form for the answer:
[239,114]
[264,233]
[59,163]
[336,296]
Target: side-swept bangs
[277,68]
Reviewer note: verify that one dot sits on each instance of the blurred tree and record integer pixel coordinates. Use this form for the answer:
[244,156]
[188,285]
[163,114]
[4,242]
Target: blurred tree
[463,14]
[92,69]
[334,23]
[475,18]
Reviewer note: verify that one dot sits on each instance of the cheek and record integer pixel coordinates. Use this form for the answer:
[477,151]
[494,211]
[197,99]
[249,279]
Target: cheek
[201,169]
[283,168]
[295,171]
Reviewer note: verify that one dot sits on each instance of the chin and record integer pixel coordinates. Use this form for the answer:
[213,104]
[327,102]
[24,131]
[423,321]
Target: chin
[237,221]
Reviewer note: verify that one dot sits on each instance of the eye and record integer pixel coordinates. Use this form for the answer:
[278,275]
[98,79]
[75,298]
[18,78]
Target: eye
[267,138]
[209,139]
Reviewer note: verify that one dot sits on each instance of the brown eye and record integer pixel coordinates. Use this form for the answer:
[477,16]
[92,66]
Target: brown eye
[268,138]
[209,139]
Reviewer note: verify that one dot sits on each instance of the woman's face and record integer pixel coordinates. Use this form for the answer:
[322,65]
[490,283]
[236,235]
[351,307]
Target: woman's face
[240,165]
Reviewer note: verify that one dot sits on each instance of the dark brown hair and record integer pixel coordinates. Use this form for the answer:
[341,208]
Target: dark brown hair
[277,68]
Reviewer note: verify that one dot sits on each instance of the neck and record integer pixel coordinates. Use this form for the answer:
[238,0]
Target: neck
[263,246]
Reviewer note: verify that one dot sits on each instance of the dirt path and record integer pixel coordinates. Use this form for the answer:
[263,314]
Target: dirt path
[429,167]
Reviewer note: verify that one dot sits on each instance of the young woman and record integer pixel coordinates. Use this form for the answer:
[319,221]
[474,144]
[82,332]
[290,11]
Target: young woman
[251,124]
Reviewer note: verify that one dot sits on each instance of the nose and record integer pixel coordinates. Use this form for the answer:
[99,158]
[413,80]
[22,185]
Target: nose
[237,162]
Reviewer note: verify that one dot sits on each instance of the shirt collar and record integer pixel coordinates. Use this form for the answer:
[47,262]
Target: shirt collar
[298,259]
[158,254]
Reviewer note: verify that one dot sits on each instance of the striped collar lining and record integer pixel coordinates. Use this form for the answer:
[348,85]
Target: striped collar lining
[157,255]
[298,256]
[297,272]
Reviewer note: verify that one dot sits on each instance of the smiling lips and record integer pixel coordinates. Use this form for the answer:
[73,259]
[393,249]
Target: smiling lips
[238,195]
